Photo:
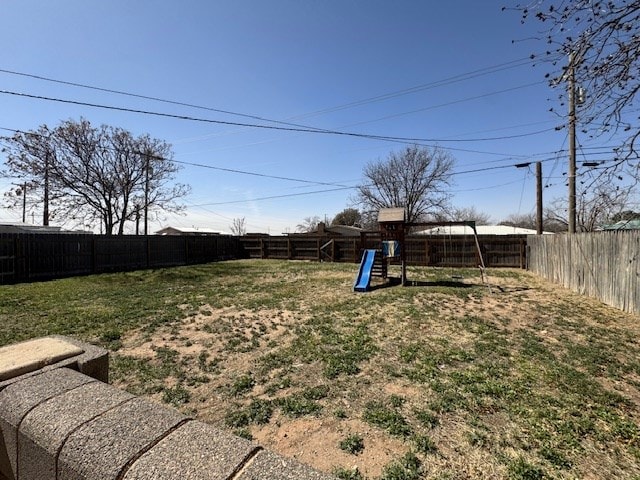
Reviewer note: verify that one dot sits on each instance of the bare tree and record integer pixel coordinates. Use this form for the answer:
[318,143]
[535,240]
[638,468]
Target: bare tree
[461,214]
[415,178]
[521,220]
[238,227]
[29,159]
[603,37]
[97,174]
[348,216]
[309,224]
[528,220]
[625,216]
[594,207]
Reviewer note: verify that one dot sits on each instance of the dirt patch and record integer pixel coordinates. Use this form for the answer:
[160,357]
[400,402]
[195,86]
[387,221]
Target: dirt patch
[315,442]
[438,371]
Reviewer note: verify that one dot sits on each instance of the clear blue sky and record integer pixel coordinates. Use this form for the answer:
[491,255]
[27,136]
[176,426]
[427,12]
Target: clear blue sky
[297,61]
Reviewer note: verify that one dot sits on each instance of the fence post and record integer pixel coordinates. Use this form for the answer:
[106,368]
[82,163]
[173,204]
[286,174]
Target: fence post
[426,253]
[94,261]
[146,237]
[18,262]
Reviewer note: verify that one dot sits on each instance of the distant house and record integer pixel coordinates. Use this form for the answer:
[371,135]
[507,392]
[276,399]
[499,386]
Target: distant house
[333,231]
[186,231]
[624,225]
[26,228]
[481,229]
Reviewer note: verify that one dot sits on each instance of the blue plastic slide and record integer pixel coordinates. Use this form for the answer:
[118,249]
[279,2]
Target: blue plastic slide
[363,279]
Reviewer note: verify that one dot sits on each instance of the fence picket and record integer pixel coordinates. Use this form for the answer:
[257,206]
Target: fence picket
[603,265]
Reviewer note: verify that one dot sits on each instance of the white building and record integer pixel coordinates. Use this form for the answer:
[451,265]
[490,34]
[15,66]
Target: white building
[481,230]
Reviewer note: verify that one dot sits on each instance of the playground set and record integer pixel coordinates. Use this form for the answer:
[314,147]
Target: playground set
[393,229]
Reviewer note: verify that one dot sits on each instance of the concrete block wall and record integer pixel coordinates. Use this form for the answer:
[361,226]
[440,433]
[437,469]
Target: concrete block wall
[60,424]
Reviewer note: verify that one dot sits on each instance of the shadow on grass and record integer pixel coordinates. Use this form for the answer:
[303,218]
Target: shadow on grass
[441,283]
[389,282]
[453,283]
[395,281]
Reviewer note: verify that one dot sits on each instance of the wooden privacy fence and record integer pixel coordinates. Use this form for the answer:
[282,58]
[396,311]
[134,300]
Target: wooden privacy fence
[604,265]
[426,250]
[31,257]
[28,257]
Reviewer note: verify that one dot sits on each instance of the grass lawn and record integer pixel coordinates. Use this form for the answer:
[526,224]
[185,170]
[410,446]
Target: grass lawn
[443,379]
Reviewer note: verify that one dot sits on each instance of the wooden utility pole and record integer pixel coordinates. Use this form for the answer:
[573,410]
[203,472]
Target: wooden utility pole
[45,208]
[146,195]
[539,198]
[137,219]
[24,202]
[572,143]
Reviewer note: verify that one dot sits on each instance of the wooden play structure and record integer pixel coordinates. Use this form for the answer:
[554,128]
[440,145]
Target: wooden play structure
[394,227]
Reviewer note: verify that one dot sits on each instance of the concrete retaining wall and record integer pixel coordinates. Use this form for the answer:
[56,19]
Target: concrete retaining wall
[61,424]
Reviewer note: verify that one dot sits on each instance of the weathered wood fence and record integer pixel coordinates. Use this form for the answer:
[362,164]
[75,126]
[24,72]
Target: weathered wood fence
[426,250]
[33,257]
[29,257]
[604,265]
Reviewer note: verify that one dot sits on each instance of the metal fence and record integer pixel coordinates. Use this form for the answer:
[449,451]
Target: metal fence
[29,257]
[604,265]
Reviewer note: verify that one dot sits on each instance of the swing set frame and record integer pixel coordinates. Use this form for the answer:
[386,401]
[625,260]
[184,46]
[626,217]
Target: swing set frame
[393,226]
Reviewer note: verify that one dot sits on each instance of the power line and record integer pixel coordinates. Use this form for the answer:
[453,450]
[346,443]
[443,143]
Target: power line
[426,86]
[255,174]
[313,182]
[212,167]
[272,197]
[444,82]
[229,202]
[240,124]
[455,102]
[147,97]
[340,187]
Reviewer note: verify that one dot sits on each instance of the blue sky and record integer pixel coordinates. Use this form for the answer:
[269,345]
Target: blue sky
[324,64]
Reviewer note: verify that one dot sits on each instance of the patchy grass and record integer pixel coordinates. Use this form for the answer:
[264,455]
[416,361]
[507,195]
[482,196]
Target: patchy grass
[386,417]
[441,379]
[353,444]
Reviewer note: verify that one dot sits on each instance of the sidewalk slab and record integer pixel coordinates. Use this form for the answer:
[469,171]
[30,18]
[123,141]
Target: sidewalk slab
[195,451]
[45,429]
[102,448]
[20,397]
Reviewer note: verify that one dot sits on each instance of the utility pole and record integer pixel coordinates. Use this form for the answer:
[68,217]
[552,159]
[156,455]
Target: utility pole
[572,143]
[539,198]
[137,219]
[24,202]
[146,195]
[45,208]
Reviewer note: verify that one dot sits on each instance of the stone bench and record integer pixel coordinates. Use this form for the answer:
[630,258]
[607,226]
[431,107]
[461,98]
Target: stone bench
[58,421]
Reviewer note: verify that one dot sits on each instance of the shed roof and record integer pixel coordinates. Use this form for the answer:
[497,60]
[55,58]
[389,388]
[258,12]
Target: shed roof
[28,228]
[186,231]
[391,215]
[623,225]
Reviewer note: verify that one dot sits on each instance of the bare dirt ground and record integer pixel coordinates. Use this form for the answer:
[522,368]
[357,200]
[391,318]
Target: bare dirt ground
[451,362]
